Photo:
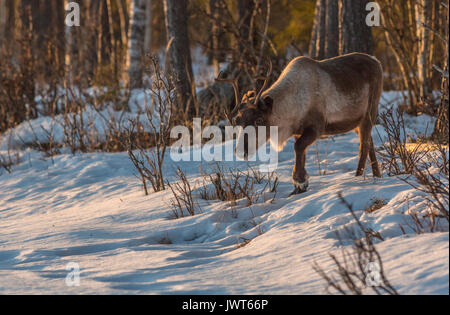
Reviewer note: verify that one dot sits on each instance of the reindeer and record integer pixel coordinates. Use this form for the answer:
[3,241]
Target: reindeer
[313,99]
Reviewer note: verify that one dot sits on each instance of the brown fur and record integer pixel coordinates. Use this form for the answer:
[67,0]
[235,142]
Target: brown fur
[313,99]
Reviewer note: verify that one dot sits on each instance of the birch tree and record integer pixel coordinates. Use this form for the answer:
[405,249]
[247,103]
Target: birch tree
[424,19]
[68,43]
[136,43]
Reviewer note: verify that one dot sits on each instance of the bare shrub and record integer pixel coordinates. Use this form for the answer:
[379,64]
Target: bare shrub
[354,273]
[425,164]
[421,224]
[148,163]
[183,201]
[115,133]
[431,176]
[159,119]
[233,185]
[7,161]
[397,157]
[76,129]
[229,188]
[271,179]
[48,145]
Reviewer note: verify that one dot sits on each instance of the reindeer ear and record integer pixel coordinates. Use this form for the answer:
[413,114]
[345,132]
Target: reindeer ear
[268,103]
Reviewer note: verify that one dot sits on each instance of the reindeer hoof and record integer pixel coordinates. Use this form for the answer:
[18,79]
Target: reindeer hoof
[300,187]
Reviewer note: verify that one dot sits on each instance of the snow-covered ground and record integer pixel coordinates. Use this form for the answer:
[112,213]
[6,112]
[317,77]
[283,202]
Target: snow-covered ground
[90,209]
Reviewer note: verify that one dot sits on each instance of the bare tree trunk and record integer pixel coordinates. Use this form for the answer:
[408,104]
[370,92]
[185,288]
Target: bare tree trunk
[13,22]
[103,34]
[89,34]
[57,34]
[68,46]
[441,128]
[123,22]
[318,36]
[148,27]
[179,54]
[321,30]
[27,59]
[332,29]
[122,8]
[112,39]
[216,34]
[355,35]
[312,42]
[97,8]
[424,16]
[3,22]
[433,56]
[136,43]
[315,32]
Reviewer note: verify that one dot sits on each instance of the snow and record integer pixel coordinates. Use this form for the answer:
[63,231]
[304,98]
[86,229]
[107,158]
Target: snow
[90,209]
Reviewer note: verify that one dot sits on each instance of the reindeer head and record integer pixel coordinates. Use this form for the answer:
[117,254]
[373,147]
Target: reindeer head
[253,110]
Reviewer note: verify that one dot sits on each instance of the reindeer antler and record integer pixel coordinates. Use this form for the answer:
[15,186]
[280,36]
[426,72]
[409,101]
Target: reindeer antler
[234,83]
[266,80]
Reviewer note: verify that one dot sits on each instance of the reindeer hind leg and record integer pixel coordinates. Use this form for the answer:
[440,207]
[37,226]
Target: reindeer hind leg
[364,134]
[373,160]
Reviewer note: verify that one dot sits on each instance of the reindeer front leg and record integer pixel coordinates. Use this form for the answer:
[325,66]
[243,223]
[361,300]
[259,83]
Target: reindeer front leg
[300,176]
